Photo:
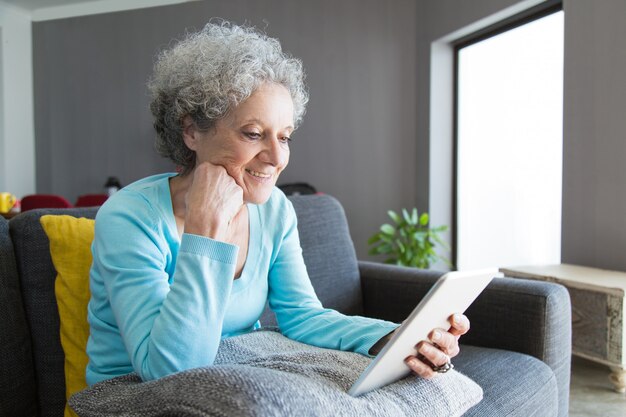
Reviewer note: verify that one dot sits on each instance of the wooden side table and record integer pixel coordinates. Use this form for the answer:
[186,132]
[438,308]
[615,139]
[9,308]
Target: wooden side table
[598,323]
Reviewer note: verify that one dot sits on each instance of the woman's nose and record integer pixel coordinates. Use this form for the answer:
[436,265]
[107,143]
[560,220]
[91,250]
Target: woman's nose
[275,152]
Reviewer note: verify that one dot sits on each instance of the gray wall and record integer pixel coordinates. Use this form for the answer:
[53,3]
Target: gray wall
[594,162]
[368,135]
[358,138]
[3,171]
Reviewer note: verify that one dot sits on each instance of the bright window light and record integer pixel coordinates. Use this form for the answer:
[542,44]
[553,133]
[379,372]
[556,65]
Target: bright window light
[510,146]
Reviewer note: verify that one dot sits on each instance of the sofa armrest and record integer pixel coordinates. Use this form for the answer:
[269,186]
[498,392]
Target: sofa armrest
[391,292]
[525,316]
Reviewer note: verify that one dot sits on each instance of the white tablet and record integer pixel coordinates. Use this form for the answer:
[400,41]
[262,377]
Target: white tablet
[452,293]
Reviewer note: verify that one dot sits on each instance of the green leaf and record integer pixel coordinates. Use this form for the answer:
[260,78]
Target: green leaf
[384,248]
[386,238]
[418,262]
[408,240]
[447,261]
[375,238]
[394,216]
[441,242]
[419,236]
[406,216]
[388,229]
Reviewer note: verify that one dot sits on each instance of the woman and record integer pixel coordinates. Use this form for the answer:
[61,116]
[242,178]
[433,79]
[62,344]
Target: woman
[183,260]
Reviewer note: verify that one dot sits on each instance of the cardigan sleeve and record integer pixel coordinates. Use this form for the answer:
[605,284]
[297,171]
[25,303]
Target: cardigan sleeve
[300,314]
[167,324]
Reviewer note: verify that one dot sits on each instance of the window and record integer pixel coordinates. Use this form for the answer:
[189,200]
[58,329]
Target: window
[509,143]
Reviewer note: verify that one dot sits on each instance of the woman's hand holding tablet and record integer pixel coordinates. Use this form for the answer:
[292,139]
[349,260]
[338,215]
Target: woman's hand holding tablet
[428,338]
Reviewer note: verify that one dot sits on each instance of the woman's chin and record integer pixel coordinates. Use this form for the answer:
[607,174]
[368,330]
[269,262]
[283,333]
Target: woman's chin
[258,196]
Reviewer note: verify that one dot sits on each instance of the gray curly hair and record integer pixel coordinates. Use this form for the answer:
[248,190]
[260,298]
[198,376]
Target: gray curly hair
[209,73]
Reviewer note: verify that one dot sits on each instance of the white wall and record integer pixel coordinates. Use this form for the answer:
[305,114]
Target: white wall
[17,140]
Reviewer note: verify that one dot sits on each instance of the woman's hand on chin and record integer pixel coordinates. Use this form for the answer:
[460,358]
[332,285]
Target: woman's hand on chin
[212,201]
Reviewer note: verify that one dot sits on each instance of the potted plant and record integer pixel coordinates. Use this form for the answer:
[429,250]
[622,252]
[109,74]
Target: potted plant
[409,241]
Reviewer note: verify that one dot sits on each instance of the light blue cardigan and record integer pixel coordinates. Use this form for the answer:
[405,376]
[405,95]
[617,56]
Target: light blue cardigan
[160,304]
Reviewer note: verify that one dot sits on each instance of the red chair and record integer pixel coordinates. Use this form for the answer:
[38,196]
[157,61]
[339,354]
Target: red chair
[35,201]
[90,200]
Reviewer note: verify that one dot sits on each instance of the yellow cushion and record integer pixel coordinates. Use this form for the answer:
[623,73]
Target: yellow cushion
[70,248]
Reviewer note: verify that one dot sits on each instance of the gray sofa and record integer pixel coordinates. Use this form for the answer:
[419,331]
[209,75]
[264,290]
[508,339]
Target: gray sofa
[518,349]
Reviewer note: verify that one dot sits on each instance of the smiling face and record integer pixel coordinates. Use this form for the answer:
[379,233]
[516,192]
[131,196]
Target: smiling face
[251,142]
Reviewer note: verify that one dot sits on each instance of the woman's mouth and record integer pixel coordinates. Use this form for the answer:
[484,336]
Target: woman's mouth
[259,176]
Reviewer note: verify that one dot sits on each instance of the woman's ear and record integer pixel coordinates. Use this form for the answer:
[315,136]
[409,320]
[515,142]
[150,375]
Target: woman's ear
[190,133]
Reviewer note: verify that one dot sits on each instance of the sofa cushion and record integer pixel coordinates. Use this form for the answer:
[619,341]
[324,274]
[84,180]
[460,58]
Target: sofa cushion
[37,275]
[513,384]
[17,379]
[70,248]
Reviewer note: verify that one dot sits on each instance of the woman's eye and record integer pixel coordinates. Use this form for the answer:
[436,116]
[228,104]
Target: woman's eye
[253,135]
[285,139]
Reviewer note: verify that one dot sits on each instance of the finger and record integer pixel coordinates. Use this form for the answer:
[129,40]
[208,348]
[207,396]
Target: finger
[453,351]
[460,324]
[214,181]
[419,367]
[445,340]
[432,354]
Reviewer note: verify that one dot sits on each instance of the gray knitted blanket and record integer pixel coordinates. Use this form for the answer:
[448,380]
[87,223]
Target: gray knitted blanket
[266,374]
